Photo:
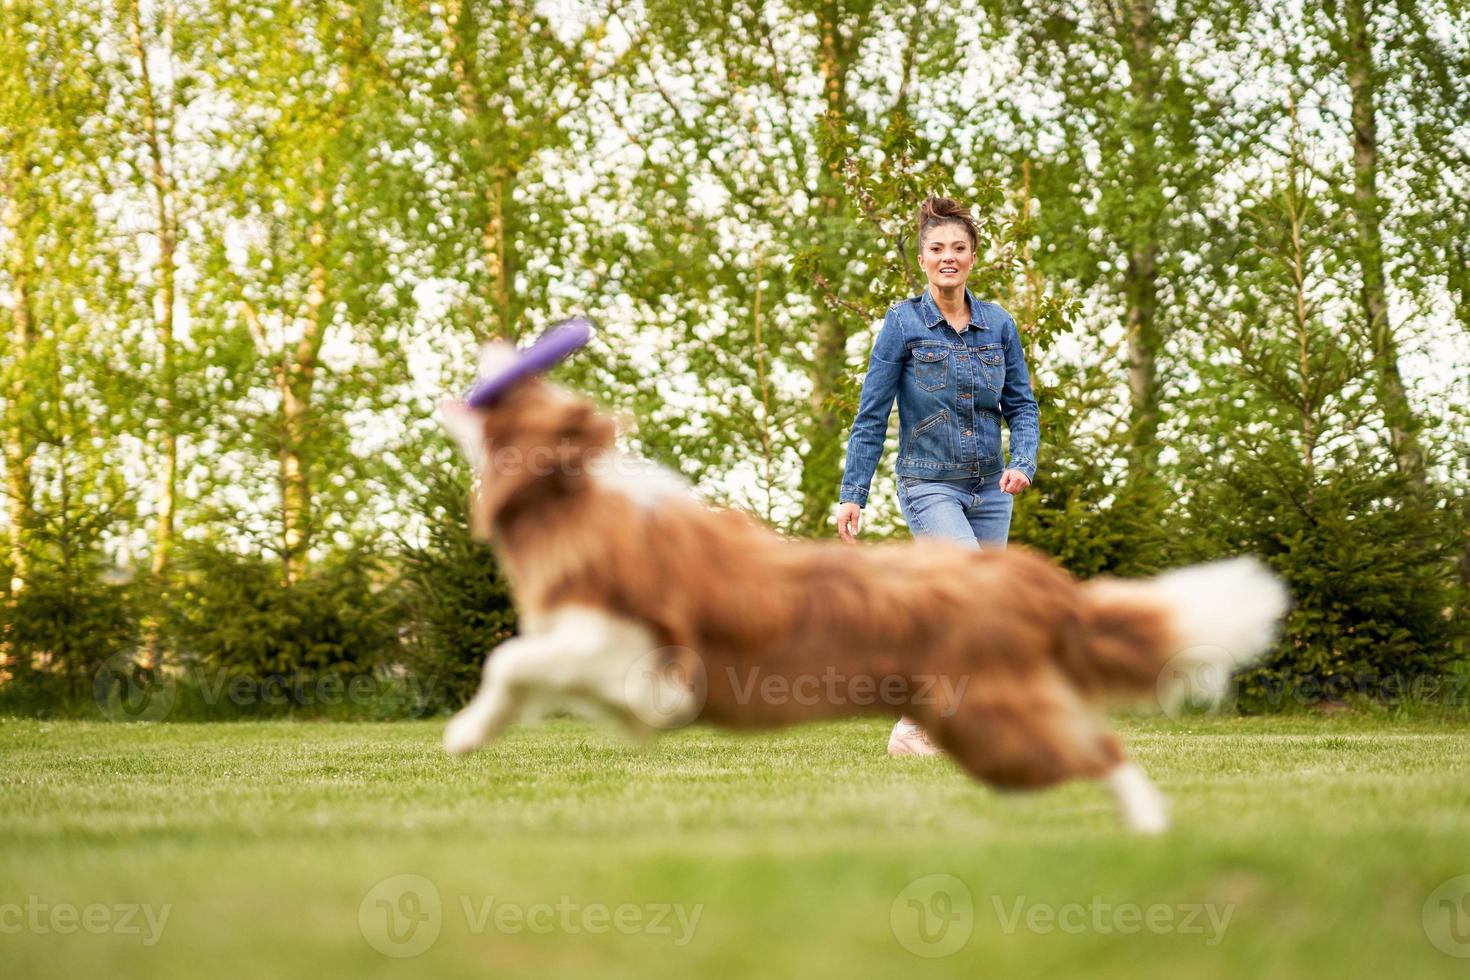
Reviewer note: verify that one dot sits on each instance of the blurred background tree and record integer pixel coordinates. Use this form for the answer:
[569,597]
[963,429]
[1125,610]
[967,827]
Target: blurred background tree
[248,243]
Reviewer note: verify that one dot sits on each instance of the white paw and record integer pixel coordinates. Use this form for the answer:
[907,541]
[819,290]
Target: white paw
[1144,809]
[464,734]
[1148,821]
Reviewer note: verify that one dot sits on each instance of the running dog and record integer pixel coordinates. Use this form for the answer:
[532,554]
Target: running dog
[636,596]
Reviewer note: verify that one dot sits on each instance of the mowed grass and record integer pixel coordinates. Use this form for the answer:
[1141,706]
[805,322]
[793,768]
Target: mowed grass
[1302,848]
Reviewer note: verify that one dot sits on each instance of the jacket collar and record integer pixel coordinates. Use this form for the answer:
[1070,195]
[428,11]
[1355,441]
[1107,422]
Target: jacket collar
[933,318]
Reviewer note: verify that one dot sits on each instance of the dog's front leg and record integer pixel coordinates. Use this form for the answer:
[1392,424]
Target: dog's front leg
[579,653]
[503,688]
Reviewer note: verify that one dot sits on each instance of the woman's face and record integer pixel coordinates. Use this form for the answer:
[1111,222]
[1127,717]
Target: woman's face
[945,255]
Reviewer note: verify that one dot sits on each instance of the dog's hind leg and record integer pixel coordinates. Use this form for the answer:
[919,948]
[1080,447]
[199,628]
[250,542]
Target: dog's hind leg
[1143,807]
[1031,735]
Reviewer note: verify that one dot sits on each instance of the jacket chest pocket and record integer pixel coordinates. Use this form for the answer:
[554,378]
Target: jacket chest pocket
[992,361]
[931,367]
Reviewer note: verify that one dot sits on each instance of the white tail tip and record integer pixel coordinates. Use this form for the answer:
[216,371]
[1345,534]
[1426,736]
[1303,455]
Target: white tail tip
[1224,615]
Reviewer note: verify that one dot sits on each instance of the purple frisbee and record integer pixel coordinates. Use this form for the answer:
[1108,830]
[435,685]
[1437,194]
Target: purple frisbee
[557,343]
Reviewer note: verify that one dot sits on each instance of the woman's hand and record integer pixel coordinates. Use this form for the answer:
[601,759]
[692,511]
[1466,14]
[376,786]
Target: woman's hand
[849,520]
[1014,481]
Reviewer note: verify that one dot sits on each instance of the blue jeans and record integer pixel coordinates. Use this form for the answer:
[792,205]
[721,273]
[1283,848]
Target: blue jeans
[973,511]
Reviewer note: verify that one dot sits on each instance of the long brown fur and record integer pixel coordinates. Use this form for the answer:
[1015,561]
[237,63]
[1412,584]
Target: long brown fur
[1040,650]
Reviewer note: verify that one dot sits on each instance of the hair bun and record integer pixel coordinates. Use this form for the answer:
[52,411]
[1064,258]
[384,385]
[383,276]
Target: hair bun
[935,211]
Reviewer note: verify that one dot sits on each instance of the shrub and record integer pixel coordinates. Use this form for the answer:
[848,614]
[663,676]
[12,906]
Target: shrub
[457,602]
[230,619]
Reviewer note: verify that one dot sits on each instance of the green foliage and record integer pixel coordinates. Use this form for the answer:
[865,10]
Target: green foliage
[356,194]
[1291,467]
[61,628]
[232,613]
[457,605]
[1368,571]
[1094,524]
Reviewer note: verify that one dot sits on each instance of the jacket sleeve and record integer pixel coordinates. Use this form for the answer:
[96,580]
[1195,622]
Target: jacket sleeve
[870,427]
[1018,405]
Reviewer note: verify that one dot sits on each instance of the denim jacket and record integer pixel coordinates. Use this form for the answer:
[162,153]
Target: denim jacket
[953,390]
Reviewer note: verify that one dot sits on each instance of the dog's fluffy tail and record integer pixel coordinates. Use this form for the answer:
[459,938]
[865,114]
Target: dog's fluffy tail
[1179,636]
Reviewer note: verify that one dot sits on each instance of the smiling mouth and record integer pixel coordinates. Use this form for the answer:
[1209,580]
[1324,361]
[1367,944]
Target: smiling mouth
[949,269]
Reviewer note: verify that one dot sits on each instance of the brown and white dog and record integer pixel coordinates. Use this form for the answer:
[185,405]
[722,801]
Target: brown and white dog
[636,597]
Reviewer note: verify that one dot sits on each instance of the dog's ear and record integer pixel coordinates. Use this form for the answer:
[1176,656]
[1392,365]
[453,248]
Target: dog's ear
[584,426]
[582,436]
[467,426]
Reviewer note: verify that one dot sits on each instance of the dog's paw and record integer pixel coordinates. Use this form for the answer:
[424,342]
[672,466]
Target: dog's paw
[463,734]
[1144,808]
[1148,822]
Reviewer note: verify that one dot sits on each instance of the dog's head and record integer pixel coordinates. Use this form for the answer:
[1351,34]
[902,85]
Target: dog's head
[535,443]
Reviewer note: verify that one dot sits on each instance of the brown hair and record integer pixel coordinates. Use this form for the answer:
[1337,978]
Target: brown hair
[936,211]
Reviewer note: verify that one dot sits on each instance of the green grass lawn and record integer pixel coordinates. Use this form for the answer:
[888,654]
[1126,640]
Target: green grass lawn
[1301,847]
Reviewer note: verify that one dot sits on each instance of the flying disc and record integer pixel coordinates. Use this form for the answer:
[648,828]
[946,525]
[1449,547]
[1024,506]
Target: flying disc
[553,346]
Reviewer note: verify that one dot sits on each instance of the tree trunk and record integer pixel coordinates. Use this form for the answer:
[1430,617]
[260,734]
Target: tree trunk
[1296,213]
[17,444]
[1141,277]
[500,259]
[502,304]
[163,202]
[1398,415]
[1465,544]
[296,376]
[166,216]
[822,469]
[760,373]
[296,371]
[295,484]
